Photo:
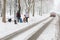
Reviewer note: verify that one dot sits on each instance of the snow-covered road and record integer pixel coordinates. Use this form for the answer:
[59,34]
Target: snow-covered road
[46,30]
[51,32]
[33,32]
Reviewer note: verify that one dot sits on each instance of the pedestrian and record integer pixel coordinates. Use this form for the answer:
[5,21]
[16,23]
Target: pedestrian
[24,19]
[27,16]
[18,15]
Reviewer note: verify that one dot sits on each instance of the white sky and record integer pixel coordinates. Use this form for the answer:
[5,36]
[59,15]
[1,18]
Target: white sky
[57,5]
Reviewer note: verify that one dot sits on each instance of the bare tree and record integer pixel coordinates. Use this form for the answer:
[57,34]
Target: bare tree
[15,7]
[4,12]
[10,6]
[33,7]
[19,7]
[18,3]
[28,5]
[0,7]
[41,7]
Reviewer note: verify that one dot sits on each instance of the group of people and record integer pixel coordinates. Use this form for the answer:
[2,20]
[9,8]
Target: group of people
[20,19]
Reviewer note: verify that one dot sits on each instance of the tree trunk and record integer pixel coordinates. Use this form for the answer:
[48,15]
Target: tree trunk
[19,7]
[33,7]
[28,5]
[15,9]
[4,12]
[41,7]
[10,7]
[39,11]
[19,3]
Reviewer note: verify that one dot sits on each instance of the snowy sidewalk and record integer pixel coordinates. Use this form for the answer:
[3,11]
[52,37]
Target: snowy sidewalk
[8,28]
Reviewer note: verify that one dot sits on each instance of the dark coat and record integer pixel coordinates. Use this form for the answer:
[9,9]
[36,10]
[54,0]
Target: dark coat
[18,14]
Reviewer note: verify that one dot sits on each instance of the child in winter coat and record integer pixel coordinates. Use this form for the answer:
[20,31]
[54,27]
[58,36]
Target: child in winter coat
[24,19]
[26,16]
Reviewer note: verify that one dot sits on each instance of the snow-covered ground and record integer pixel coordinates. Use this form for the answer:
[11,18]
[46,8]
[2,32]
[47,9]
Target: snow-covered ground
[50,33]
[8,28]
[29,33]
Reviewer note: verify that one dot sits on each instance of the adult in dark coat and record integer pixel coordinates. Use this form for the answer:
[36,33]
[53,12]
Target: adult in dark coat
[18,14]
